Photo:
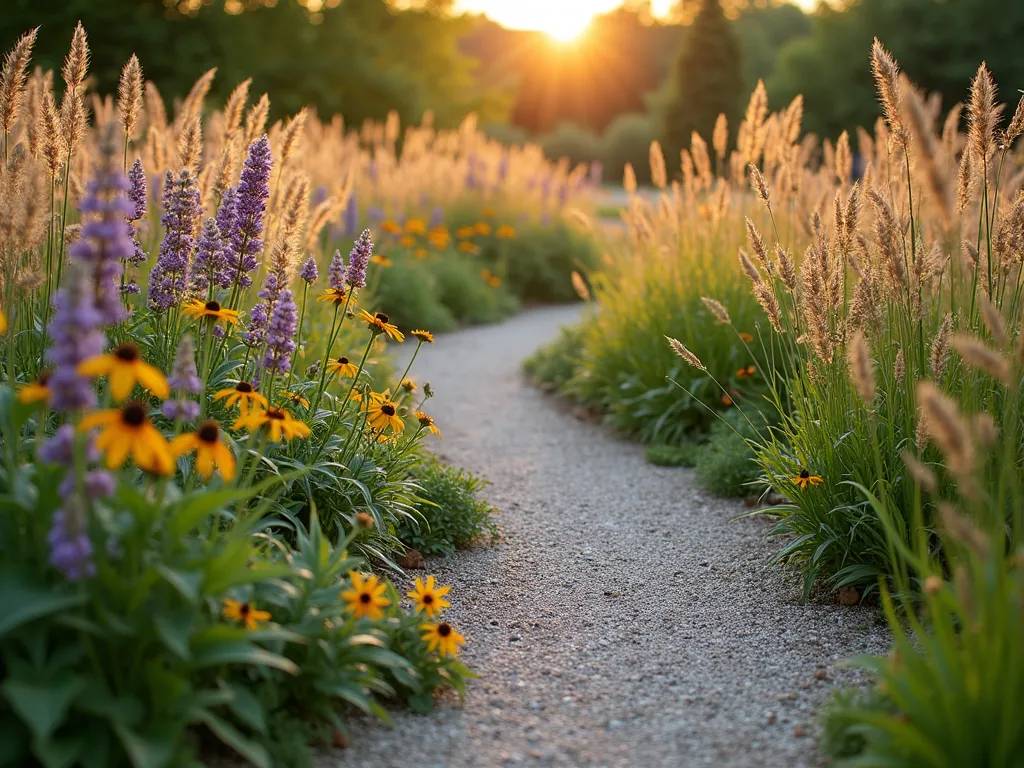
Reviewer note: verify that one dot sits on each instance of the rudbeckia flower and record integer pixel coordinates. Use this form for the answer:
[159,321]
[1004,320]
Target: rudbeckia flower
[391,227]
[428,422]
[746,373]
[409,385]
[379,323]
[366,598]
[36,392]
[243,394]
[279,423]
[727,401]
[415,226]
[383,413]
[380,261]
[806,478]
[124,368]
[429,598]
[505,232]
[127,431]
[407,241]
[746,337]
[483,228]
[337,296]
[245,613]
[343,367]
[423,336]
[295,397]
[467,247]
[212,310]
[210,451]
[442,637]
[465,232]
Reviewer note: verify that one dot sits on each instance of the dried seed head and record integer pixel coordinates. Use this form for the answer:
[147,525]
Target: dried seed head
[933,585]
[758,184]
[717,309]
[720,136]
[899,368]
[843,159]
[629,179]
[235,107]
[940,347]
[982,114]
[979,355]
[994,322]
[758,246]
[948,429]
[683,352]
[12,79]
[960,527]
[921,475]
[190,145]
[579,285]
[1016,126]
[659,176]
[787,269]
[985,430]
[862,371]
[129,96]
[290,137]
[887,81]
[256,121]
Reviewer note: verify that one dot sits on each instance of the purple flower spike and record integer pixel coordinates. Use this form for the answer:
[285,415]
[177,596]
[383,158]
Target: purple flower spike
[138,194]
[211,262]
[281,333]
[76,334]
[256,330]
[351,215]
[70,547]
[184,376]
[309,271]
[169,280]
[358,260]
[336,272]
[251,197]
[185,410]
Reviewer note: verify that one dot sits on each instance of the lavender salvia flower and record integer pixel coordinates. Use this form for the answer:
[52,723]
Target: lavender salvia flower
[138,195]
[436,217]
[97,484]
[227,224]
[256,330]
[309,272]
[271,288]
[183,410]
[60,449]
[103,245]
[336,272]
[76,334]
[169,280]
[70,547]
[281,333]
[252,194]
[132,288]
[351,215]
[210,265]
[358,260]
[184,376]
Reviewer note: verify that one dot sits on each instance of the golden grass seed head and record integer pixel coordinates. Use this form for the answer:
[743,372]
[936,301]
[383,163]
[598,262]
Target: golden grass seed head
[659,176]
[129,96]
[579,285]
[979,355]
[994,322]
[919,473]
[887,81]
[1016,126]
[720,136]
[13,78]
[982,114]
[948,428]
[899,367]
[940,347]
[684,353]
[862,370]
[758,184]
[715,307]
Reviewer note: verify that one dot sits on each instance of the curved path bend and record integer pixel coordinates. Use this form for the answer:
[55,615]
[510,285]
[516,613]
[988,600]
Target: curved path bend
[625,619]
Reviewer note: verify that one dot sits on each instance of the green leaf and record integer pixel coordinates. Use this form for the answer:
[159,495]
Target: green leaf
[145,752]
[230,736]
[239,652]
[174,630]
[13,743]
[42,704]
[246,707]
[186,514]
[22,600]
[186,582]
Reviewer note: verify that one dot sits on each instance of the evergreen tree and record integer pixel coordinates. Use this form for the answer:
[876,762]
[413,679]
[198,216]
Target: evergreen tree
[708,81]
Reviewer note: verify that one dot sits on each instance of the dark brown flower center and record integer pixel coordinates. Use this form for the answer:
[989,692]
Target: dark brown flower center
[342,361]
[213,306]
[387,410]
[44,378]
[428,599]
[276,413]
[804,475]
[444,629]
[208,432]
[127,352]
[364,598]
[243,386]
[133,414]
[382,317]
[244,610]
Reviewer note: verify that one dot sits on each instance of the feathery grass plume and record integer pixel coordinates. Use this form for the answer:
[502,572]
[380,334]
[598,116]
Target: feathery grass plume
[579,285]
[787,269]
[256,120]
[994,322]
[33,112]
[984,429]
[979,355]
[814,301]
[720,138]
[962,529]
[190,145]
[757,244]
[192,106]
[129,97]
[156,112]
[1009,240]
[982,115]
[717,309]
[689,175]
[843,159]
[899,367]
[73,115]
[862,371]
[851,215]
[927,151]
[701,160]
[940,347]
[629,179]
[685,354]
[318,219]
[291,136]
[751,141]
[1016,126]
[886,229]
[762,293]
[919,473]
[759,185]
[792,121]
[947,428]
[49,131]
[659,177]
[887,81]
[13,78]
[970,254]
[296,208]
[234,108]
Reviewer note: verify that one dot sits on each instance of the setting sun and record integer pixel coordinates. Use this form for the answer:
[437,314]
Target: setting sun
[563,20]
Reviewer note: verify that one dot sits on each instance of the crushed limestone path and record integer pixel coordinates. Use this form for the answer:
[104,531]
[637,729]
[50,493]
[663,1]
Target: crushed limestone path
[626,618]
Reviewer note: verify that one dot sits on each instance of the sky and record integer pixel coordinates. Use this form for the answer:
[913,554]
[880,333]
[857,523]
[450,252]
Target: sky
[562,19]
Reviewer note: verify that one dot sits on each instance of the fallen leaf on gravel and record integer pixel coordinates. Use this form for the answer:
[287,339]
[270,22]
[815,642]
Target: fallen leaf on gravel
[340,740]
[411,559]
[799,731]
[611,594]
[849,596]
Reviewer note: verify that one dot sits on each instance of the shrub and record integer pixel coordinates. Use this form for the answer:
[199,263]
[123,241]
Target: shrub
[724,465]
[554,364]
[663,455]
[451,515]
[627,139]
[573,142]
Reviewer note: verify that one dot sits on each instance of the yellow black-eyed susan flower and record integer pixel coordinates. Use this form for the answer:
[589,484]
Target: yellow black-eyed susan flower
[343,367]
[805,478]
[429,597]
[211,452]
[279,423]
[746,337]
[428,422]
[295,397]
[391,227]
[212,310]
[746,373]
[505,232]
[442,637]
[366,598]
[407,241]
[380,323]
[463,233]
[37,391]
[483,228]
[409,385]
[382,413]
[245,613]
[127,431]
[380,260]
[423,336]
[467,247]
[487,213]
[415,226]
[124,368]
[243,394]
[727,401]
[338,297]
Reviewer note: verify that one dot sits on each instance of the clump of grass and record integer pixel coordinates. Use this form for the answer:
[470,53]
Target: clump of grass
[664,455]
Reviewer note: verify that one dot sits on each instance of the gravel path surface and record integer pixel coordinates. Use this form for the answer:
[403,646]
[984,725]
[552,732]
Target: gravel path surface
[625,619]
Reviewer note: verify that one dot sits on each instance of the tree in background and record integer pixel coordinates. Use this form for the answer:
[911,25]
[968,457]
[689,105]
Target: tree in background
[708,80]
